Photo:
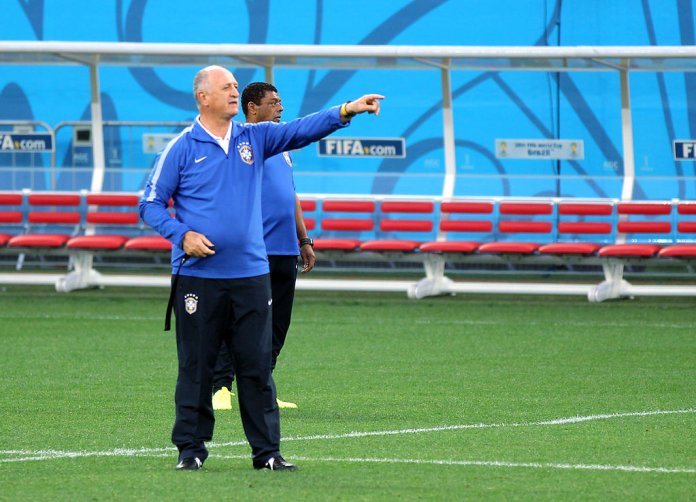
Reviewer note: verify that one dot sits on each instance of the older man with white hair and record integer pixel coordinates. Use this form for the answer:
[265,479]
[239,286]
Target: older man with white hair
[220,276]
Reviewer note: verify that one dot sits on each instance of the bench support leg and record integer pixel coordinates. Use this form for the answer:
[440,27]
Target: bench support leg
[613,285]
[83,276]
[434,283]
[20,261]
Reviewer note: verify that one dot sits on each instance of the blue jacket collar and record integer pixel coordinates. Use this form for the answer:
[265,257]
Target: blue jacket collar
[199,133]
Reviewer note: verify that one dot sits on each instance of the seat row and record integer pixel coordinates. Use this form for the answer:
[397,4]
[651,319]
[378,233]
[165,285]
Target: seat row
[599,232]
[108,222]
[603,228]
[54,222]
[433,231]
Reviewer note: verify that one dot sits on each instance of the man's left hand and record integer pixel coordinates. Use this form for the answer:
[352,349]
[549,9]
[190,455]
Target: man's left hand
[308,258]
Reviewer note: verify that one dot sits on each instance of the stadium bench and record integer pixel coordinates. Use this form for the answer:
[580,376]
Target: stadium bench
[606,233]
[50,221]
[430,231]
[76,225]
[112,227]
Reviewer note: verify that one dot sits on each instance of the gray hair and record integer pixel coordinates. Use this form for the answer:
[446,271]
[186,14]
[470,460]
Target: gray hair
[201,82]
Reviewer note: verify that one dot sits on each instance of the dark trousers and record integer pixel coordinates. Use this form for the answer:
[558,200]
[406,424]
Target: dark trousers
[236,312]
[283,279]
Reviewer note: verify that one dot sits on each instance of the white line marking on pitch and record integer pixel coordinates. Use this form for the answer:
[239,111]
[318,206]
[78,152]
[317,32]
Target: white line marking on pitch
[557,421]
[611,324]
[95,317]
[28,455]
[55,454]
[488,463]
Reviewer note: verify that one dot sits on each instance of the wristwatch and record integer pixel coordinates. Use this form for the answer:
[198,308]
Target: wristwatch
[305,241]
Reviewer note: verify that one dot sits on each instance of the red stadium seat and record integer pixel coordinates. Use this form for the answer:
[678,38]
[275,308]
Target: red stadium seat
[526,208]
[49,228]
[96,242]
[336,244]
[516,225]
[343,233]
[636,244]
[309,206]
[398,227]
[509,247]
[571,234]
[11,216]
[111,229]
[629,250]
[678,251]
[579,248]
[449,226]
[450,246]
[686,220]
[148,243]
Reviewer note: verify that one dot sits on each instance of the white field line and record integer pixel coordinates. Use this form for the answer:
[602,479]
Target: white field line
[29,455]
[77,317]
[611,324]
[488,463]
[557,421]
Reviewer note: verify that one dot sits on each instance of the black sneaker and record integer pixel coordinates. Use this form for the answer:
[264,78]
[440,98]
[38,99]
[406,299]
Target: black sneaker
[189,464]
[276,463]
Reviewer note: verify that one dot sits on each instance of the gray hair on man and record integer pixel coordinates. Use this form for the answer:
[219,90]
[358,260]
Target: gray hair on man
[201,82]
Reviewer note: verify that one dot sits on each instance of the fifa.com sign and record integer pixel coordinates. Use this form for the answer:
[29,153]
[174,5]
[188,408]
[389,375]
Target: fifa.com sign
[684,149]
[32,142]
[362,147]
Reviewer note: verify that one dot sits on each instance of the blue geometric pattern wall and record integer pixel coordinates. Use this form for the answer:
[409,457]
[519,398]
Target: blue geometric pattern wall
[487,105]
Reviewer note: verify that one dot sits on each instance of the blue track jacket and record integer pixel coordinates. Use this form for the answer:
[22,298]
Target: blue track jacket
[278,206]
[219,195]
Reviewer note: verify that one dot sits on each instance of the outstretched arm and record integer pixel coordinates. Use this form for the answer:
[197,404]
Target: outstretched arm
[302,131]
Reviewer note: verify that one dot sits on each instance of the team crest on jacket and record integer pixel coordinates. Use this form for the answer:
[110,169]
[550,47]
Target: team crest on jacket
[191,303]
[287,158]
[245,152]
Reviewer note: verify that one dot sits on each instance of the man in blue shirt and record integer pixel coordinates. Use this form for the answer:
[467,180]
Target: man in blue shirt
[220,285]
[283,228]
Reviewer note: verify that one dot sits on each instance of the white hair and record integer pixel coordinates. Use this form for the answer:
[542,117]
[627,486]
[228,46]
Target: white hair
[201,81]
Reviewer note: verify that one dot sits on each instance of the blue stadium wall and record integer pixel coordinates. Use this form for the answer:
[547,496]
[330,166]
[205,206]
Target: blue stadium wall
[487,105]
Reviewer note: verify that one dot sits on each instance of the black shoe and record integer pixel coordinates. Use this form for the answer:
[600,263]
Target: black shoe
[276,463]
[189,464]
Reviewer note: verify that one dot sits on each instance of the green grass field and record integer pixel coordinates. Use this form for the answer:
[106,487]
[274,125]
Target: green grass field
[466,397]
